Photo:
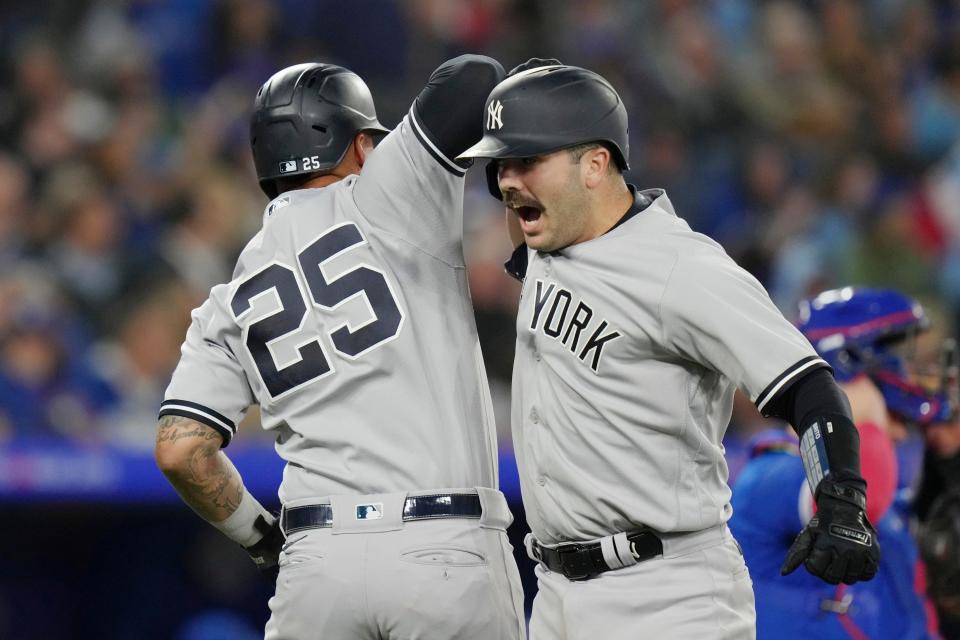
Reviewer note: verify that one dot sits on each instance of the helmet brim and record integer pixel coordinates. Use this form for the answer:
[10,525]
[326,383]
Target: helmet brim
[488,147]
[495,149]
[376,129]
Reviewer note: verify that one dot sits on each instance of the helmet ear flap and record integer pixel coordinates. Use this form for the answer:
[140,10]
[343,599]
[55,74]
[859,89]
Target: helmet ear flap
[493,179]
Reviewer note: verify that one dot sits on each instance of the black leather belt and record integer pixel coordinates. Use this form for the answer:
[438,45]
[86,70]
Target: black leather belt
[428,507]
[582,561]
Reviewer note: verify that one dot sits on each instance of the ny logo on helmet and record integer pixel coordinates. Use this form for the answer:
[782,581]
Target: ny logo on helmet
[495,115]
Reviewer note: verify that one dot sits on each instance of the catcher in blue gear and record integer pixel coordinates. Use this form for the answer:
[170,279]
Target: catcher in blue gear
[857,331]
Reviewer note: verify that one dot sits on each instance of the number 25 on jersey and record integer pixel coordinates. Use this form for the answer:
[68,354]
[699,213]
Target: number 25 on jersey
[325,295]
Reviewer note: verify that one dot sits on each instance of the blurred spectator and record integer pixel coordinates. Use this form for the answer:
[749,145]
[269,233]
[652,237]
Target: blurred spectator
[46,391]
[137,364]
[786,86]
[86,251]
[204,243]
[14,185]
[935,109]
[890,238]
[245,36]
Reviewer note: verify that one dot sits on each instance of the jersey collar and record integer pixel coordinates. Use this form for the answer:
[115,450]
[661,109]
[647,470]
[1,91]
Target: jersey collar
[641,200]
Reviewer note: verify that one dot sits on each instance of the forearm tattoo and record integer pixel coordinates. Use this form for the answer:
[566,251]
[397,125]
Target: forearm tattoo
[207,481]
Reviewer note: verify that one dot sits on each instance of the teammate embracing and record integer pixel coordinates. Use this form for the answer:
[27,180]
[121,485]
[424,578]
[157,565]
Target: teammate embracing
[348,320]
[633,333]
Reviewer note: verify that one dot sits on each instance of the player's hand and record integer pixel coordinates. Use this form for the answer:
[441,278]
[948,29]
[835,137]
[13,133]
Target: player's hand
[266,553]
[533,63]
[838,544]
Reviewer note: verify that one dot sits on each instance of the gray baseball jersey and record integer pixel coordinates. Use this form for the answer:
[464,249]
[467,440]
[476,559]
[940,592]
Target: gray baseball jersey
[629,349]
[348,320]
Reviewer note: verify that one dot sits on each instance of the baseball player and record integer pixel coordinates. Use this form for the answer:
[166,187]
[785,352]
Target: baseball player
[348,321]
[855,331]
[633,332]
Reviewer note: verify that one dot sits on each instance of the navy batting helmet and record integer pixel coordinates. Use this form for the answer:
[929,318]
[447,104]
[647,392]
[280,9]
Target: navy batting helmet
[549,108]
[304,120]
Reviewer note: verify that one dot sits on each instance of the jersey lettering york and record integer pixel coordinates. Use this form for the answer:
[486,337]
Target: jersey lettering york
[288,311]
[574,325]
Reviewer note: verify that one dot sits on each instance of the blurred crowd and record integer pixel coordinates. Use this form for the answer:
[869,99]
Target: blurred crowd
[815,140]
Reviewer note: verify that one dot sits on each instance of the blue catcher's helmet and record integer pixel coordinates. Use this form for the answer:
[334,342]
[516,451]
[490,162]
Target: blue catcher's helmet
[911,402]
[854,330]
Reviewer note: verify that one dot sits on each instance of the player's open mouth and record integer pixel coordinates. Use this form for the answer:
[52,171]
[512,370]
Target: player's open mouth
[527,213]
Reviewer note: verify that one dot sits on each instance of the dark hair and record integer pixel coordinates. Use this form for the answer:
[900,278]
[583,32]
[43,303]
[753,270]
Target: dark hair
[577,151]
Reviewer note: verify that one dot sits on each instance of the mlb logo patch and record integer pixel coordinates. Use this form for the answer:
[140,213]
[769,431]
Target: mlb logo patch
[279,203]
[370,511]
[288,166]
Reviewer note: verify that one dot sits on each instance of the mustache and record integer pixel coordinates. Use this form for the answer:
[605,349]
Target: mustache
[515,201]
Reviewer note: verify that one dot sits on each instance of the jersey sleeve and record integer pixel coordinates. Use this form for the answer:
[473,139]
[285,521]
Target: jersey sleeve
[411,185]
[715,313]
[410,190]
[209,384]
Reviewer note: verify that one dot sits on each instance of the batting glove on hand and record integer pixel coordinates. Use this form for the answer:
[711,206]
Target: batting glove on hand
[533,63]
[266,552]
[838,544]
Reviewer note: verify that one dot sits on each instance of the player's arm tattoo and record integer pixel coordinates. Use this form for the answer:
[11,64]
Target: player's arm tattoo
[189,455]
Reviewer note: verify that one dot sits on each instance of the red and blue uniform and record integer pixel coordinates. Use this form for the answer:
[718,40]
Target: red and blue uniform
[853,330]
[770,501]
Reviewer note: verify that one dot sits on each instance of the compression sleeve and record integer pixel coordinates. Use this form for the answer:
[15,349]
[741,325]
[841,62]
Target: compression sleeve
[449,108]
[820,414]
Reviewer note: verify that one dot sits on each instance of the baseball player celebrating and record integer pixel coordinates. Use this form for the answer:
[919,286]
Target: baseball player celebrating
[348,320]
[633,333]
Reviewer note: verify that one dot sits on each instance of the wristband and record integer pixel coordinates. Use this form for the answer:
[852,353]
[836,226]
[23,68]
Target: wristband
[830,446]
[243,526]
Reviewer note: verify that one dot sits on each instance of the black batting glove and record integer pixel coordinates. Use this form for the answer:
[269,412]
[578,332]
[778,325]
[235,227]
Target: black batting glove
[533,63]
[266,552]
[838,544]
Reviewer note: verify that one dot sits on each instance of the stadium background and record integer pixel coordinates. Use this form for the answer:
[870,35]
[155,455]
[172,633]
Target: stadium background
[815,140]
